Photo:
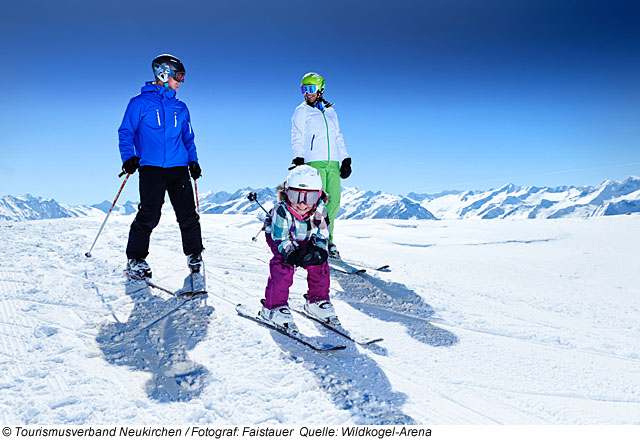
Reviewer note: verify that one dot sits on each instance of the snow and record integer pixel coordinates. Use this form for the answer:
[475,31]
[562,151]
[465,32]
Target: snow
[484,321]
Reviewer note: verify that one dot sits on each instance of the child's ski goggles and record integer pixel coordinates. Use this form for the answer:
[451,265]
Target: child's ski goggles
[300,195]
[309,88]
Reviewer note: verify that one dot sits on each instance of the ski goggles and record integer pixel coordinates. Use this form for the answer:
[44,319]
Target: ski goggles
[309,88]
[300,195]
[179,77]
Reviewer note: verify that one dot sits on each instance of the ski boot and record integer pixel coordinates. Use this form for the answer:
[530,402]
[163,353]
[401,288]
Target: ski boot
[280,317]
[333,252]
[323,311]
[195,262]
[196,266]
[138,269]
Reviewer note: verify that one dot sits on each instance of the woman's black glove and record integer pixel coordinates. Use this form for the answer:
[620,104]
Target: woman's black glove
[296,162]
[345,168]
[194,170]
[131,165]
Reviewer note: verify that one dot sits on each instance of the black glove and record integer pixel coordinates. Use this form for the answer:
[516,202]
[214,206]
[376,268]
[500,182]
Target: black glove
[131,165]
[315,256]
[345,168]
[195,170]
[295,257]
[297,161]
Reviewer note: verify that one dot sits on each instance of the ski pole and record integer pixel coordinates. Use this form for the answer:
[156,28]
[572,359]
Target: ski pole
[195,182]
[254,198]
[88,254]
[257,235]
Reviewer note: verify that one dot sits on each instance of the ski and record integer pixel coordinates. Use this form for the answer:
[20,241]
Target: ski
[311,343]
[339,329]
[342,267]
[195,284]
[363,267]
[155,286]
[184,292]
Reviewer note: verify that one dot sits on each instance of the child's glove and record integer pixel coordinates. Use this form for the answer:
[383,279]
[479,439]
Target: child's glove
[315,256]
[310,255]
[295,257]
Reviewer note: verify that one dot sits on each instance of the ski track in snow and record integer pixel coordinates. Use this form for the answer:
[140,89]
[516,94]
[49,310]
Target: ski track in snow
[514,322]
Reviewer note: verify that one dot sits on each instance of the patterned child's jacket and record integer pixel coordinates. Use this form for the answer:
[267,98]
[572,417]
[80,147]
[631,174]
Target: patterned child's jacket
[288,232]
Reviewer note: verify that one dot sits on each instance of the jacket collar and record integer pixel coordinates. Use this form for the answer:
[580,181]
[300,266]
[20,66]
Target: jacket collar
[302,217]
[164,92]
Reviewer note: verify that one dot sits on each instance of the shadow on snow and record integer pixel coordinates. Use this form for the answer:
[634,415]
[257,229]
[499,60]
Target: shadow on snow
[156,338]
[353,381]
[392,302]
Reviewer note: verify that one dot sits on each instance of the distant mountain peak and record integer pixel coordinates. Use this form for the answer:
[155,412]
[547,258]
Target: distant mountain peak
[508,201]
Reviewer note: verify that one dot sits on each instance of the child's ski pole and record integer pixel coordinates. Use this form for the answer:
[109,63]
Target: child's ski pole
[254,198]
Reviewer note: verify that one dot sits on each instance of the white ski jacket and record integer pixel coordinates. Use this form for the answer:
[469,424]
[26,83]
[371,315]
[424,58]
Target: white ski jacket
[316,135]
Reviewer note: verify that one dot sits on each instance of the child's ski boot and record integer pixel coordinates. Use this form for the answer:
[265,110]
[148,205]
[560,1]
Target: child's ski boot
[280,317]
[323,311]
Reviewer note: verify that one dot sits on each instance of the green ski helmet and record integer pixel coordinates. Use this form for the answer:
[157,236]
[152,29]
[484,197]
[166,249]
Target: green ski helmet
[312,79]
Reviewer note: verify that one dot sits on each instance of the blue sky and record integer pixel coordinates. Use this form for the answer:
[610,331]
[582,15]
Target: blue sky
[431,95]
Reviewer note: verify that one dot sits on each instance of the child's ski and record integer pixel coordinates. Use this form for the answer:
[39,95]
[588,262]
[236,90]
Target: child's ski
[341,266]
[363,267]
[339,329]
[311,343]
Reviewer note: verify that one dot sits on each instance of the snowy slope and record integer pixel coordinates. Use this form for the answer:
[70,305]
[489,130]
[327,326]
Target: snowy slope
[510,321]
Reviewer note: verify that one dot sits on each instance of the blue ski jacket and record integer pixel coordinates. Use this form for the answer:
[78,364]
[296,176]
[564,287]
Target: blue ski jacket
[157,128]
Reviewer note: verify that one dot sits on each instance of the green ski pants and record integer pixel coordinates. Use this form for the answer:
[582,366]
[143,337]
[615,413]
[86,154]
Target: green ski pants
[330,174]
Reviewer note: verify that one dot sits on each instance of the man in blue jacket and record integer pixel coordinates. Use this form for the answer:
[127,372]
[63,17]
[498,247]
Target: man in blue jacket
[156,136]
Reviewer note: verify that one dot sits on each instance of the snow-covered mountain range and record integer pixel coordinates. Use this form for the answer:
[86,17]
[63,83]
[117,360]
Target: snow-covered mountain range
[508,201]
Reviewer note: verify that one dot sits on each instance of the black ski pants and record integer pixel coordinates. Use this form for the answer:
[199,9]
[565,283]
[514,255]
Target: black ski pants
[154,182]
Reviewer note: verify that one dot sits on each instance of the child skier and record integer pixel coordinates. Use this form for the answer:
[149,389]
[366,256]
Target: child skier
[297,233]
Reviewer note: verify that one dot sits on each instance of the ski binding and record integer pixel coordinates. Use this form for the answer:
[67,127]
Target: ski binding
[309,342]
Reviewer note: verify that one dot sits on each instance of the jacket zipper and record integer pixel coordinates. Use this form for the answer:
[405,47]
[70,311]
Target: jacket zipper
[164,159]
[328,146]
[158,115]
[175,119]
[314,136]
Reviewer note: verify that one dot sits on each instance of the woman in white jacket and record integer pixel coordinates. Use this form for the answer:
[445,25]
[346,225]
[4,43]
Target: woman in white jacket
[317,141]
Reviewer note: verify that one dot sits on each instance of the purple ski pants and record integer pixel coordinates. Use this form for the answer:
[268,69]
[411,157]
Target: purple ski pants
[281,278]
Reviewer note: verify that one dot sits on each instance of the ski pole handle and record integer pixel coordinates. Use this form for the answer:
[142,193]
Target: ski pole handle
[254,198]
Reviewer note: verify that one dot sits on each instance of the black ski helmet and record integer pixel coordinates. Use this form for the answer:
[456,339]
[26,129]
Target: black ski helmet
[167,65]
